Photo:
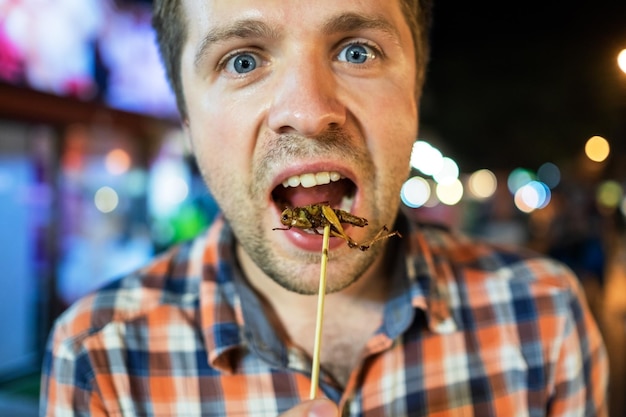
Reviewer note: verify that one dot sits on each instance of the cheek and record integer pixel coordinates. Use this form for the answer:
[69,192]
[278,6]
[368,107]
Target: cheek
[394,106]
[210,146]
[396,122]
[228,121]
[219,139]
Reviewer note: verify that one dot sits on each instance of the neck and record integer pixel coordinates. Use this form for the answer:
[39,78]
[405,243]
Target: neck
[352,315]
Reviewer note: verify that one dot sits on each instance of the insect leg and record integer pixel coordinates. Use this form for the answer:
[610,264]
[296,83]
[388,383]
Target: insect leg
[351,242]
[383,233]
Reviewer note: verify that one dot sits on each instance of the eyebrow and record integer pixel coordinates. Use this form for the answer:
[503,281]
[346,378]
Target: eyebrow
[256,29]
[351,22]
[240,29]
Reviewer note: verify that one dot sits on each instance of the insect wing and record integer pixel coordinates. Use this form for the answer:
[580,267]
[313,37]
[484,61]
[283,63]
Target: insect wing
[332,218]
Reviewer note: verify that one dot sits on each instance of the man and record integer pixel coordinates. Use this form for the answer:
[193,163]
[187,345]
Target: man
[289,103]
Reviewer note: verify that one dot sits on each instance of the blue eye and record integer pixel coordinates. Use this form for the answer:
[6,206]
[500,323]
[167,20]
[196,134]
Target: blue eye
[241,63]
[356,54]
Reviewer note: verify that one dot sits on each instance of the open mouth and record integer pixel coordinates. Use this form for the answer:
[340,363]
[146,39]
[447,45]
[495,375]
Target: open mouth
[315,187]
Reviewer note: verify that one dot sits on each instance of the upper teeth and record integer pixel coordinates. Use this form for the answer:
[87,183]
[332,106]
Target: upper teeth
[312,179]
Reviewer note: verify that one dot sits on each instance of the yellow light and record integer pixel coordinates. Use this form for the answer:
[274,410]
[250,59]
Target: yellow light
[106,199]
[621,60]
[483,183]
[597,149]
[450,194]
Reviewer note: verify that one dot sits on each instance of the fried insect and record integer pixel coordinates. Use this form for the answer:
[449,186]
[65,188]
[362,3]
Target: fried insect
[316,216]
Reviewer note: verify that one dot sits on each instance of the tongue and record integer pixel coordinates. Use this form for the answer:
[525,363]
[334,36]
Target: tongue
[300,196]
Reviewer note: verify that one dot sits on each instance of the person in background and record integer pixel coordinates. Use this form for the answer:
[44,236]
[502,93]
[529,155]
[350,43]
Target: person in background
[291,103]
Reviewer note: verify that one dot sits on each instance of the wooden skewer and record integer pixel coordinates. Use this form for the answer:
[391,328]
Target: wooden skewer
[321,295]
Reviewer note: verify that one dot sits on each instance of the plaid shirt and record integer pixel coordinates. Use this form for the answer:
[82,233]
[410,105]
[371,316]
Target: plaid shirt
[469,331]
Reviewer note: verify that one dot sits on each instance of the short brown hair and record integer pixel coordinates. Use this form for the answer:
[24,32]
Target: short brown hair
[170,24]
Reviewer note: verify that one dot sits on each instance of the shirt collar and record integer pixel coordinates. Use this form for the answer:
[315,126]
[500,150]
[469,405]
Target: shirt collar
[220,306]
[229,307]
[428,281]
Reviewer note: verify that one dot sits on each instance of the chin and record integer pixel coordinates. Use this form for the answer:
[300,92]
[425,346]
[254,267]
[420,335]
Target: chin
[302,277]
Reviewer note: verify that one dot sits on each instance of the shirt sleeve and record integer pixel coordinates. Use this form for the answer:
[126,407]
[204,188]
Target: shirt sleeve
[581,367]
[68,380]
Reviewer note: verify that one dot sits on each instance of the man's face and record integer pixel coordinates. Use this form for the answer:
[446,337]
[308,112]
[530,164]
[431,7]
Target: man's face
[319,96]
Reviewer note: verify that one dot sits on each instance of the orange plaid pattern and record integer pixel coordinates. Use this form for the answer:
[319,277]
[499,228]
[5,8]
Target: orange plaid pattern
[471,330]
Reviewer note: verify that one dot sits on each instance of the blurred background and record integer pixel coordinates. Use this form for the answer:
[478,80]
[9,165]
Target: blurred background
[522,141]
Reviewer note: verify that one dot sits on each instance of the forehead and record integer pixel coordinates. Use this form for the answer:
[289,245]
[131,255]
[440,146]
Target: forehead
[292,16]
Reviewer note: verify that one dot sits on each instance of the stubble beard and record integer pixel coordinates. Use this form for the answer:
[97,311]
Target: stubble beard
[300,274]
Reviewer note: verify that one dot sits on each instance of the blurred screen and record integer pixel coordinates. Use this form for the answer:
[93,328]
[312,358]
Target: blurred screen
[101,50]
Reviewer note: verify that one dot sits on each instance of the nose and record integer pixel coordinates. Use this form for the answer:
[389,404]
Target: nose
[305,100]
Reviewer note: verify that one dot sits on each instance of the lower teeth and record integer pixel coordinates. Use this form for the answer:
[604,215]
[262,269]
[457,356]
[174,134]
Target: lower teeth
[346,203]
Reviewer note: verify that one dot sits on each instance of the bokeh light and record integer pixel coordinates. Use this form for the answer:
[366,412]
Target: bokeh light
[106,199]
[597,148]
[621,60]
[117,161]
[426,158]
[532,196]
[521,203]
[448,173]
[518,178]
[415,192]
[609,194]
[168,187]
[549,174]
[178,189]
[450,194]
[482,183]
